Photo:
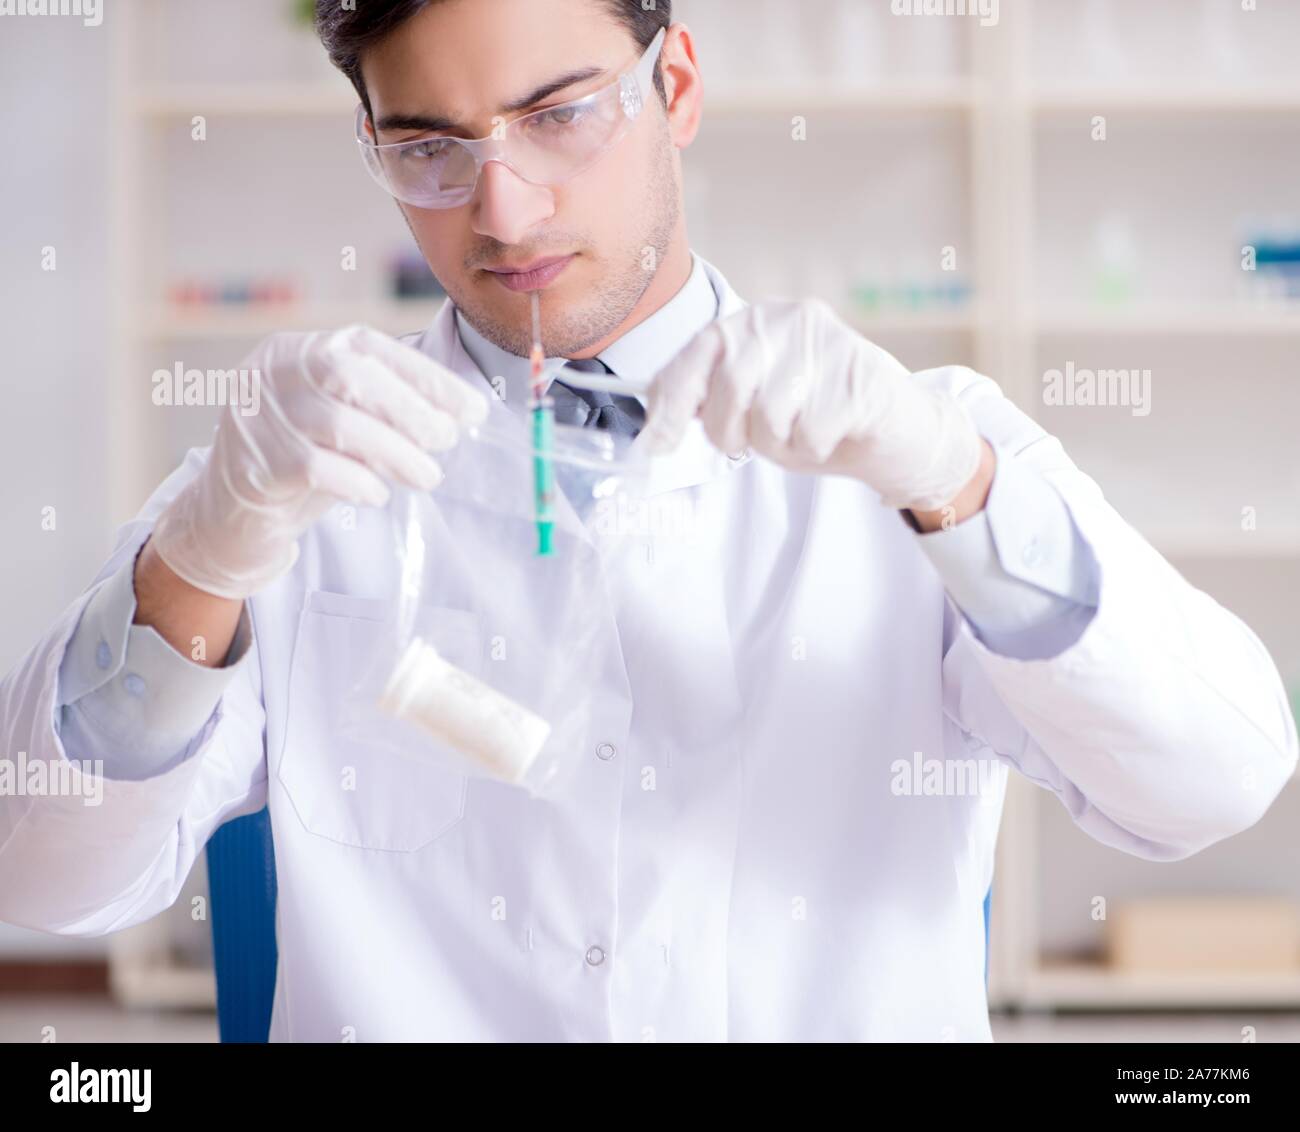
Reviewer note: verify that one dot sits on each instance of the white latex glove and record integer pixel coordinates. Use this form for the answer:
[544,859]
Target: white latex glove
[339,412]
[789,380]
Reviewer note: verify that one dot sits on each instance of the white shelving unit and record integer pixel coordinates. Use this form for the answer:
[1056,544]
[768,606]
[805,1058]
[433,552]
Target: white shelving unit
[989,107]
[1023,973]
[1199,320]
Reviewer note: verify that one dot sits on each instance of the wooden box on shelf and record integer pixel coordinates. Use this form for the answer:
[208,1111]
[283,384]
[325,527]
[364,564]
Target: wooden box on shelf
[1234,935]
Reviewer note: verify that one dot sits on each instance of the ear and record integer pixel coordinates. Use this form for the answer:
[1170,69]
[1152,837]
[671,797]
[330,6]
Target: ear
[683,85]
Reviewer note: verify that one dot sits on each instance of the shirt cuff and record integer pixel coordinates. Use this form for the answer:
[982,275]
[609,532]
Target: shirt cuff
[126,695]
[1019,570]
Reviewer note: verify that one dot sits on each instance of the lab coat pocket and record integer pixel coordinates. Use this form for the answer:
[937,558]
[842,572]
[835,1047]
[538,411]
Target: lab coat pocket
[356,787]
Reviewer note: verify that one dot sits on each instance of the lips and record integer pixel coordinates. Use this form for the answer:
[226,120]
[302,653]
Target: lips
[523,269]
[540,273]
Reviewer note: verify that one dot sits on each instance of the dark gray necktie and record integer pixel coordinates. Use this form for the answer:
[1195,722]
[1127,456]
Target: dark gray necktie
[590,408]
[594,408]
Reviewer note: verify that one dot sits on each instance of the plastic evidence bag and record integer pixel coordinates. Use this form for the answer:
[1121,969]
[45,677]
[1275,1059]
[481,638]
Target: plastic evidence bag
[488,662]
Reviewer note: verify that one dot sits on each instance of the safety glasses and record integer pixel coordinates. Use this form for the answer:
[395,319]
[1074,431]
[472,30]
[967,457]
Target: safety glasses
[546,147]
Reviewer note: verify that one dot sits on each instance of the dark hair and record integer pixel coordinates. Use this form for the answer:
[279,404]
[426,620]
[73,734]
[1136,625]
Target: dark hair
[347,29]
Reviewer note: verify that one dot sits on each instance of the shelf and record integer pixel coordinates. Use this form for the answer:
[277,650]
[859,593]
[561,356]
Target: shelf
[314,99]
[941,321]
[1230,318]
[1098,98]
[164,987]
[1091,985]
[1237,544]
[165,324]
[395,317]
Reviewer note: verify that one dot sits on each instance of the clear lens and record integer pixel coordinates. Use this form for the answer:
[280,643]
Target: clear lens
[556,144]
[547,147]
[432,173]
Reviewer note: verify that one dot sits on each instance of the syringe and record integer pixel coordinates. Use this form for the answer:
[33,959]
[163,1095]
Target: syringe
[543,414]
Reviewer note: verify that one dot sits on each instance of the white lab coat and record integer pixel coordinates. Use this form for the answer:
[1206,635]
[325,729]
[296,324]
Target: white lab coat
[774,670]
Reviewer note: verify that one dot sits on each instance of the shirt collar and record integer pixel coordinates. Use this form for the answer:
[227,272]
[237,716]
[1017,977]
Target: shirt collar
[696,461]
[637,356]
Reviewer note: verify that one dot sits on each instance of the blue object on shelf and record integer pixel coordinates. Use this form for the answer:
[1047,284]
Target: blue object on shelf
[242,893]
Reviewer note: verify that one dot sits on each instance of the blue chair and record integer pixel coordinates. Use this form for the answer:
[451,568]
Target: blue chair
[241,897]
[241,888]
[988,905]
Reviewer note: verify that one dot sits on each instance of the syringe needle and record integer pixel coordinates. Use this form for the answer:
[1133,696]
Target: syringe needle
[538,356]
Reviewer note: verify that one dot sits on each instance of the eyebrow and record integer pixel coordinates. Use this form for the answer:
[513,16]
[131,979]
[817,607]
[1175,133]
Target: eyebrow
[554,86]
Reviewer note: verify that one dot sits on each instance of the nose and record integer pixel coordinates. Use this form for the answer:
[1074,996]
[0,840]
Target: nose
[506,206]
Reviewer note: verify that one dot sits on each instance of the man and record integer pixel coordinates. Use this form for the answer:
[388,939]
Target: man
[884,572]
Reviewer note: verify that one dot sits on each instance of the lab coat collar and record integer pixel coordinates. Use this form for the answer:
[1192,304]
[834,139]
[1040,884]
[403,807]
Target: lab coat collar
[636,354]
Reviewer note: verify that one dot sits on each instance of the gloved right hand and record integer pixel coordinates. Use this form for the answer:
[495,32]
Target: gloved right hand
[337,412]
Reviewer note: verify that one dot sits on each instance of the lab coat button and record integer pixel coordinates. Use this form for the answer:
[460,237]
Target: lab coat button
[103,655]
[134,684]
[595,955]
[606,751]
[1031,555]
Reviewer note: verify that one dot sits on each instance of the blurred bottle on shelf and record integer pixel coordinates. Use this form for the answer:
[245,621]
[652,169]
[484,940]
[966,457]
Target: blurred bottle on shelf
[905,286]
[924,45]
[717,36]
[1114,266]
[1102,40]
[1221,35]
[311,63]
[850,51]
[1272,274]
[870,279]
[773,43]
[243,291]
[821,276]
[782,32]
[410,278]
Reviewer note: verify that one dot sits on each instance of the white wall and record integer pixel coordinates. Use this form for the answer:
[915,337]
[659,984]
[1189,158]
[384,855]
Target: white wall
[54,326]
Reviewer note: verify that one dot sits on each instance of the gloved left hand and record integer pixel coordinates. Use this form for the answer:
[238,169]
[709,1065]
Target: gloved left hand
[788,379]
